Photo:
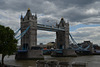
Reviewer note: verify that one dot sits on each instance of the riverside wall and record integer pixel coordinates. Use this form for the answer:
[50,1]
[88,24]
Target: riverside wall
[55,63]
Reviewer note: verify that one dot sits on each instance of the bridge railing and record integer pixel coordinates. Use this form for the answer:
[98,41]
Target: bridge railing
[53,28]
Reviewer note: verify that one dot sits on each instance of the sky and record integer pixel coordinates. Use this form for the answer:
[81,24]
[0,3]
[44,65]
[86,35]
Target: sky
[82,15]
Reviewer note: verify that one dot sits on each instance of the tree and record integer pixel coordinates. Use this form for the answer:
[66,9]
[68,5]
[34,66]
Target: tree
[8,44]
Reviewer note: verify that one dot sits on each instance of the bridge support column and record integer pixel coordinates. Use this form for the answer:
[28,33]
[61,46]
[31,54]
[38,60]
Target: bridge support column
[62,37]
[66,36]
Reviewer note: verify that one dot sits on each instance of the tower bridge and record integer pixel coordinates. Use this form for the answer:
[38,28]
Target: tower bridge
[29,27]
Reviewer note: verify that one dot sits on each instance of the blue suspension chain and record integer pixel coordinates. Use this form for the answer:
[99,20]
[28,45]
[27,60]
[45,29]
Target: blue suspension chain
[17,31]
[24,33]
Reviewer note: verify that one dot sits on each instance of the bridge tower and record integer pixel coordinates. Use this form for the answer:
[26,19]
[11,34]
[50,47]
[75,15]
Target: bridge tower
[30,38]
[62,37]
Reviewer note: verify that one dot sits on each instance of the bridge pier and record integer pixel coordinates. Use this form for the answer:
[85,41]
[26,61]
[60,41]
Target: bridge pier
[30,55]
[69,53]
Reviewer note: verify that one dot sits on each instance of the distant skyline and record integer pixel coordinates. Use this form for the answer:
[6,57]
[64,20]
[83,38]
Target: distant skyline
[82,15]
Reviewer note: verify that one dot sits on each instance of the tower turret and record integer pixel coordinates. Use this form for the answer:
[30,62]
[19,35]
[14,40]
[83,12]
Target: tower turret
[62,23]
[35,16]
[21,18]
[28,15]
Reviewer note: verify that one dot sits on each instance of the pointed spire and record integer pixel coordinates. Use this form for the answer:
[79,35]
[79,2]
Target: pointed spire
[68,22]
[56,23]
[35,15]
[21,16]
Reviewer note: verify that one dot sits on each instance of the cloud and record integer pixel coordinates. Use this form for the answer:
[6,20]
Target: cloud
[10,18]
[87,33]
[48,20]
[45,37]
[92,20]
[74,11]
[92,11]
[42,34]
[50,11]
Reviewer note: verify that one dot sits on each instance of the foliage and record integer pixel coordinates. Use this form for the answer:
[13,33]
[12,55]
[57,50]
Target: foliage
[8,43]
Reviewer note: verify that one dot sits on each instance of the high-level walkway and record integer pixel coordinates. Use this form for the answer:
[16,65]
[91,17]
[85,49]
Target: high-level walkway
[49,28]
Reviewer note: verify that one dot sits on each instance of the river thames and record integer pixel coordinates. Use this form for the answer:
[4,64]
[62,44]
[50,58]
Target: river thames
[92,61]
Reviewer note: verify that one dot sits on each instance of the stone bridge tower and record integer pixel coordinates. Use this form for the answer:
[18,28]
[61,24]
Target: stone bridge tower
[62,37]
[30,38]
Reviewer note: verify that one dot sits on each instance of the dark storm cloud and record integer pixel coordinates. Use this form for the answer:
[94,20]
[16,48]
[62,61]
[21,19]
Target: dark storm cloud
[87,33]
[20,5]
[38,5]
[2,2]
[50,11]
[45,34]
[67,3]
[48,20]
[72,10]
[35,4]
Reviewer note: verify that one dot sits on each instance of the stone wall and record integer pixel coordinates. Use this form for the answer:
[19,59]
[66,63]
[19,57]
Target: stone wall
[55,63]
[30,55]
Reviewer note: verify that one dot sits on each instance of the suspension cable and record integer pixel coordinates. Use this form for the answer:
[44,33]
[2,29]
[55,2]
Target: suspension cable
[23,32]
[17,31]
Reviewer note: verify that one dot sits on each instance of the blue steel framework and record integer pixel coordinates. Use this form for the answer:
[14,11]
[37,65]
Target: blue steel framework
[50,28]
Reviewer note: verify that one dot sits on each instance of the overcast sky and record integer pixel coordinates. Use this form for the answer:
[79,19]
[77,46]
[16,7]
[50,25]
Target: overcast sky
[83,16]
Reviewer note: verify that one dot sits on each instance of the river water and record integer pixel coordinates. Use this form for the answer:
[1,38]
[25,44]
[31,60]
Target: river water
[92,61]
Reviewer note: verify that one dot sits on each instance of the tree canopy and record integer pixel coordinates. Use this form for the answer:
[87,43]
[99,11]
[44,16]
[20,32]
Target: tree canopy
[8,44]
